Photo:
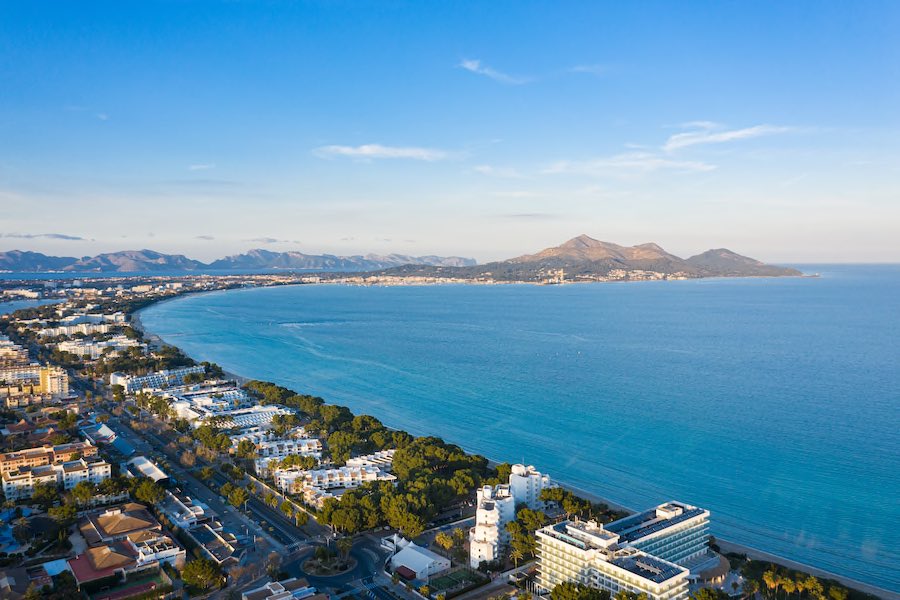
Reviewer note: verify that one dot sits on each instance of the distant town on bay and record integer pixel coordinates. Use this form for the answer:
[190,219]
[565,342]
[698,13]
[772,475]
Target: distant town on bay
[581,259]
[130,470]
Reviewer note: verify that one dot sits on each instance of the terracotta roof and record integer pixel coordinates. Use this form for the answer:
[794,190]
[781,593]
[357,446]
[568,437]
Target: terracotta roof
[97,563]
[117,523]
[121,523]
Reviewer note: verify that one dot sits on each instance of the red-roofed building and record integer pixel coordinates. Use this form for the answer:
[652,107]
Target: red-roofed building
[112,560]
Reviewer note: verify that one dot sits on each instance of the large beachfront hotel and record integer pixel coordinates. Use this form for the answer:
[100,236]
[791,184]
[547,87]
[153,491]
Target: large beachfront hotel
[650,552]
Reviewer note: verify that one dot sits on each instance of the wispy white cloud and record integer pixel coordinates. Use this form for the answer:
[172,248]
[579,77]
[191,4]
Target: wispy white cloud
[699,125]
[475,66]
[102,116]
[373,151]
[201,167]
[627,163]
[47,236]
[492,171]
[271,240]
[707,133]
[207,238]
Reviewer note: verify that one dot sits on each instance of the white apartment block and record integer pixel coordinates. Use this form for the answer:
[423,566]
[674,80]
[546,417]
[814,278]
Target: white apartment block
[645,553]
[495,507]
[260,436]
[93,318]
[383,459]
[20,483]
[82,328]
[154,381]
[93,349]
[317,485]
[36,379]
[253,416]
[526,484]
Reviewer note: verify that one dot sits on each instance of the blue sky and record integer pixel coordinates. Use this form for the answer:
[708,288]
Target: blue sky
[485,129]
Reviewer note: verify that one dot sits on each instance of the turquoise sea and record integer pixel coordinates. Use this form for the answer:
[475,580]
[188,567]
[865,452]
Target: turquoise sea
[775,403]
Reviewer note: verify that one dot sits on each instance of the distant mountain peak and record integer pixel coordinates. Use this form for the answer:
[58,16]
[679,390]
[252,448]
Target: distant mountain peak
[129,261]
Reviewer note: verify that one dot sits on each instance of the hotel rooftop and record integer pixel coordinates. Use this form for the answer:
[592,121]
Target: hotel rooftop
[589,536]
[637,527]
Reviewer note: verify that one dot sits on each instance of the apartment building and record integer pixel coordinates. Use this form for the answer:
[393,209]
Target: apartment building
[154,381]
[34,379]
[383,459]
[526,484]
[495,507]
[318,485]
[21,482]
[45,455]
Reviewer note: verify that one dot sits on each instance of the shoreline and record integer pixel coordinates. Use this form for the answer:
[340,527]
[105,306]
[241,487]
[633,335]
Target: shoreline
[725,545]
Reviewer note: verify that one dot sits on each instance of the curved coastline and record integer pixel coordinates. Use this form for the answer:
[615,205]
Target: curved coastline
[726,546]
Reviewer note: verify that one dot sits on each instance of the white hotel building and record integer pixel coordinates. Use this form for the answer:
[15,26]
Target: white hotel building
[646,553]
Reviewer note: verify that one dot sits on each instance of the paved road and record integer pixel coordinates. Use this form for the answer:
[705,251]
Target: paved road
[228,515]
[369,566]
[283,529]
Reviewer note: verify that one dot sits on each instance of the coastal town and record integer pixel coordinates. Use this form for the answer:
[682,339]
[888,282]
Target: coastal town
[129,470]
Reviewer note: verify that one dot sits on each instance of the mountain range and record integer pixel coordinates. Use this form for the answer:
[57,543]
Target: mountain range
[580,257]
[126,261]
[585,258]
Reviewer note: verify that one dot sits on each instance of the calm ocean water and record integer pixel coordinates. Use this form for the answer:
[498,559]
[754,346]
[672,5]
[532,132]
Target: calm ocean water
[775,403]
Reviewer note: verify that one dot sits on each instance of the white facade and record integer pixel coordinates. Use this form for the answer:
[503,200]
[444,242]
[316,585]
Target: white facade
[184,511]
[673,531]
[588,554]
[318,485]
[82,328]
[152,547]
[495,507]
[159,380]
[421,561]
[526,484]
[383,459]
[95,349]
[20,483]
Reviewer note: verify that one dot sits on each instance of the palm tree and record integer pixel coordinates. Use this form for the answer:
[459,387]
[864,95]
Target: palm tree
[344,545]
[516,555]
[751,586]
[789,586]
[770,578]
